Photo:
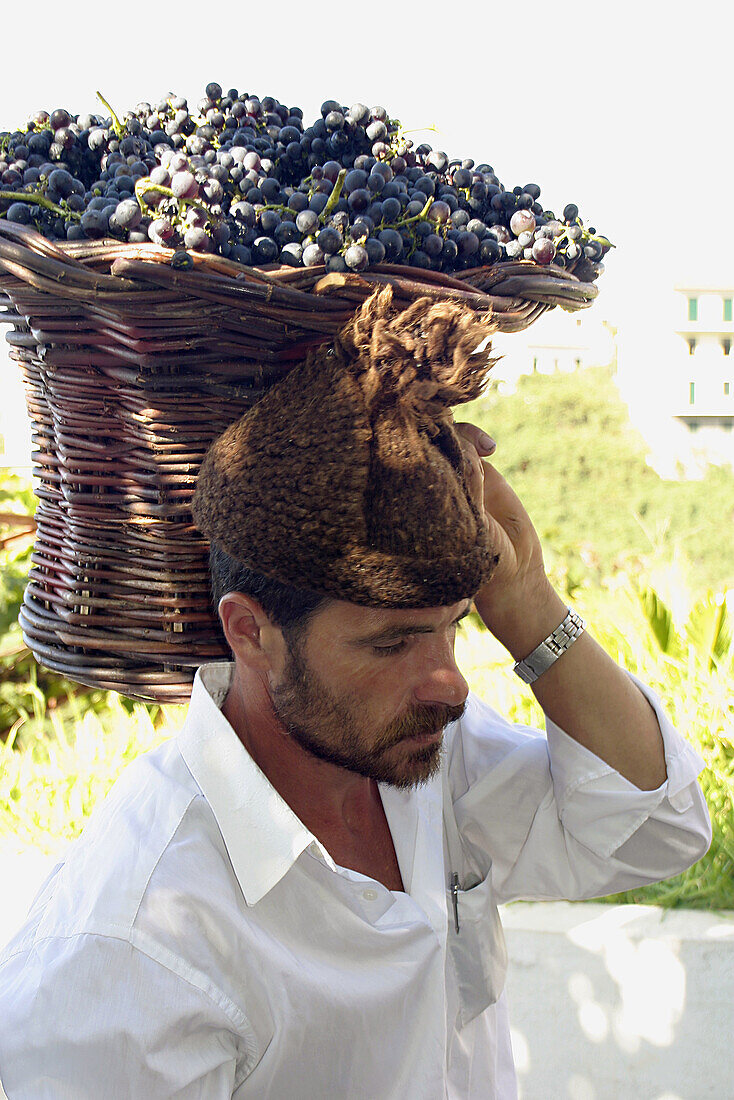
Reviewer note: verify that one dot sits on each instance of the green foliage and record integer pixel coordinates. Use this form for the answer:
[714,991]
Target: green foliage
[565,444]
[56,767]
[697,685]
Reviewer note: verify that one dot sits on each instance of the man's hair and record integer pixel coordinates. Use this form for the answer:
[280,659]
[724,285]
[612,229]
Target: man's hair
[289,608]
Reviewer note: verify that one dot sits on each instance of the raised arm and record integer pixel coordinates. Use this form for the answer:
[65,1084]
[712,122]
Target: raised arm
[584,692]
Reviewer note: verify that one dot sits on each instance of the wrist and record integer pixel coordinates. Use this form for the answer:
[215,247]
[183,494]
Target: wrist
[521,619]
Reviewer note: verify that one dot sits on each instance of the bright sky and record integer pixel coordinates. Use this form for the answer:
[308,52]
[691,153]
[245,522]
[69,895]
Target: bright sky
[627,113]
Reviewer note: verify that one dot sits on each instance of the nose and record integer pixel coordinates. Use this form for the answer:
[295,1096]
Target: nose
[441,681]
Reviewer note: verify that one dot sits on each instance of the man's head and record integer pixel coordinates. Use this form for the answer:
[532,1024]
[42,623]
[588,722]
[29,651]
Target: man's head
[365,689]
[348,478]
[346,490]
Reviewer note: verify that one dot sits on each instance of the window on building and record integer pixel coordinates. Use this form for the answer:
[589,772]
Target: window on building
[693,425]
[726,388]
[577,362]
[727,309]
[535,362]
[693,309]
[691,346]
[726,425]
[691,393]
[726,345]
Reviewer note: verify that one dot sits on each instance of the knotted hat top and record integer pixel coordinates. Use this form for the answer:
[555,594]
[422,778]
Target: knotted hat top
[347,478]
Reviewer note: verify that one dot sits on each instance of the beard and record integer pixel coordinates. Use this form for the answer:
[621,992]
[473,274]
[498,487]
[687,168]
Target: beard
[331,728]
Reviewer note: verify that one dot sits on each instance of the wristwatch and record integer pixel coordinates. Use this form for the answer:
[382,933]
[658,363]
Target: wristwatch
[549,650]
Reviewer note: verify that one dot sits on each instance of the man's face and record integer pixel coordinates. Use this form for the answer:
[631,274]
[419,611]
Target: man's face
[372,690]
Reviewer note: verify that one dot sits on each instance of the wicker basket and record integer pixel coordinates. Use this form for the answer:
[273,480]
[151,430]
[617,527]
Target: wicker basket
[131,369]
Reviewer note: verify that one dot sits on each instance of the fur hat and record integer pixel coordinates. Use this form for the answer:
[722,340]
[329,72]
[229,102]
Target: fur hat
[347,478]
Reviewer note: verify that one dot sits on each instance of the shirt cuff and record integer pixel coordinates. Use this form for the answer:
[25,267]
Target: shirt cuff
[599,806]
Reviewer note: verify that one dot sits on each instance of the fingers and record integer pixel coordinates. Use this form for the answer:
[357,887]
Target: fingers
[473,471]
[482,443]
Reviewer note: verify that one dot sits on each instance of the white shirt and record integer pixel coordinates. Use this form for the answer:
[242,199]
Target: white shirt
[199,942]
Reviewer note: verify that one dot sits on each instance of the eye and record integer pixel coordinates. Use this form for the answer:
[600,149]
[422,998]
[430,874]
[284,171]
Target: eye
[388,650]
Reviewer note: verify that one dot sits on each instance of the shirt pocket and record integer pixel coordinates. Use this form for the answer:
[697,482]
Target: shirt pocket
[477,951]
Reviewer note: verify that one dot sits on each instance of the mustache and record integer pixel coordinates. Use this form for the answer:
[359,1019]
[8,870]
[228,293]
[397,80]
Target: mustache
[419,721]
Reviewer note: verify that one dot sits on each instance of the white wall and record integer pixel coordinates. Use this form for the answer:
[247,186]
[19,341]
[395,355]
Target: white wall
[621,1002]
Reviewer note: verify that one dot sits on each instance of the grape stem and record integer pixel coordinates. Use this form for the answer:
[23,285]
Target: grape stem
[334,196]
[39,200]
[116,124]
[143,185]
[420,130]
[417,217]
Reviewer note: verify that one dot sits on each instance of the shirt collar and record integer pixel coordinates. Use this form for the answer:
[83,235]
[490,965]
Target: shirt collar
[263,836]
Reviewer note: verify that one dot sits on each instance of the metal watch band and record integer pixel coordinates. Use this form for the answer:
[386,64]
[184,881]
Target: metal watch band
[549,650]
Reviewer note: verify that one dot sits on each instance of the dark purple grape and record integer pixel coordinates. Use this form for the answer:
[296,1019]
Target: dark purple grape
[420,259]
[61,181]
[356,257]
[59,119]
[286,233]
[313,256]
[462,178]
[490,250]
[359,114]
[358,201]
[468,243]
[128,214]
[269,220]
[19,212]
[391,209]
[336,263]
[355,180]
[318,202]
[182,261]
[376,131]
[375,250]
[160,231]
[439,212]
[329,240]
[544,251]
[392,242]
[291,254]
[307,222]
[184,185]
[241,254]
[95,224]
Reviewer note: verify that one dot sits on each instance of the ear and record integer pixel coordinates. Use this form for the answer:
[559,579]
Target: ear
[252,637]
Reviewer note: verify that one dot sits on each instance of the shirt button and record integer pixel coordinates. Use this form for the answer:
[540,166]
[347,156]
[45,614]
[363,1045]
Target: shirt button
[370,894]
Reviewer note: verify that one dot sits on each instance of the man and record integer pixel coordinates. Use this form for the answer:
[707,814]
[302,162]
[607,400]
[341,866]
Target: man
[296,897]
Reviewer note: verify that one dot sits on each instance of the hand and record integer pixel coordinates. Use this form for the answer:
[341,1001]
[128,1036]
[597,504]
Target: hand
[518,591]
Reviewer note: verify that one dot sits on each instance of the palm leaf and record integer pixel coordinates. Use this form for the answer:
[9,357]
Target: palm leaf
[709,630]
[660,620]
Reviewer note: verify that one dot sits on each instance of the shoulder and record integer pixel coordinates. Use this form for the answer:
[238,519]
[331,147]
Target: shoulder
[483,741]
[144,827]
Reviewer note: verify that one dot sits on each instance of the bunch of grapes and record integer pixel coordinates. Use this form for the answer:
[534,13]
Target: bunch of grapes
[243,177]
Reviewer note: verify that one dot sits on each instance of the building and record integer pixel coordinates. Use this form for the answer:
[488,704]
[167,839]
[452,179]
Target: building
[557,341]
[675,366]
[703,369]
